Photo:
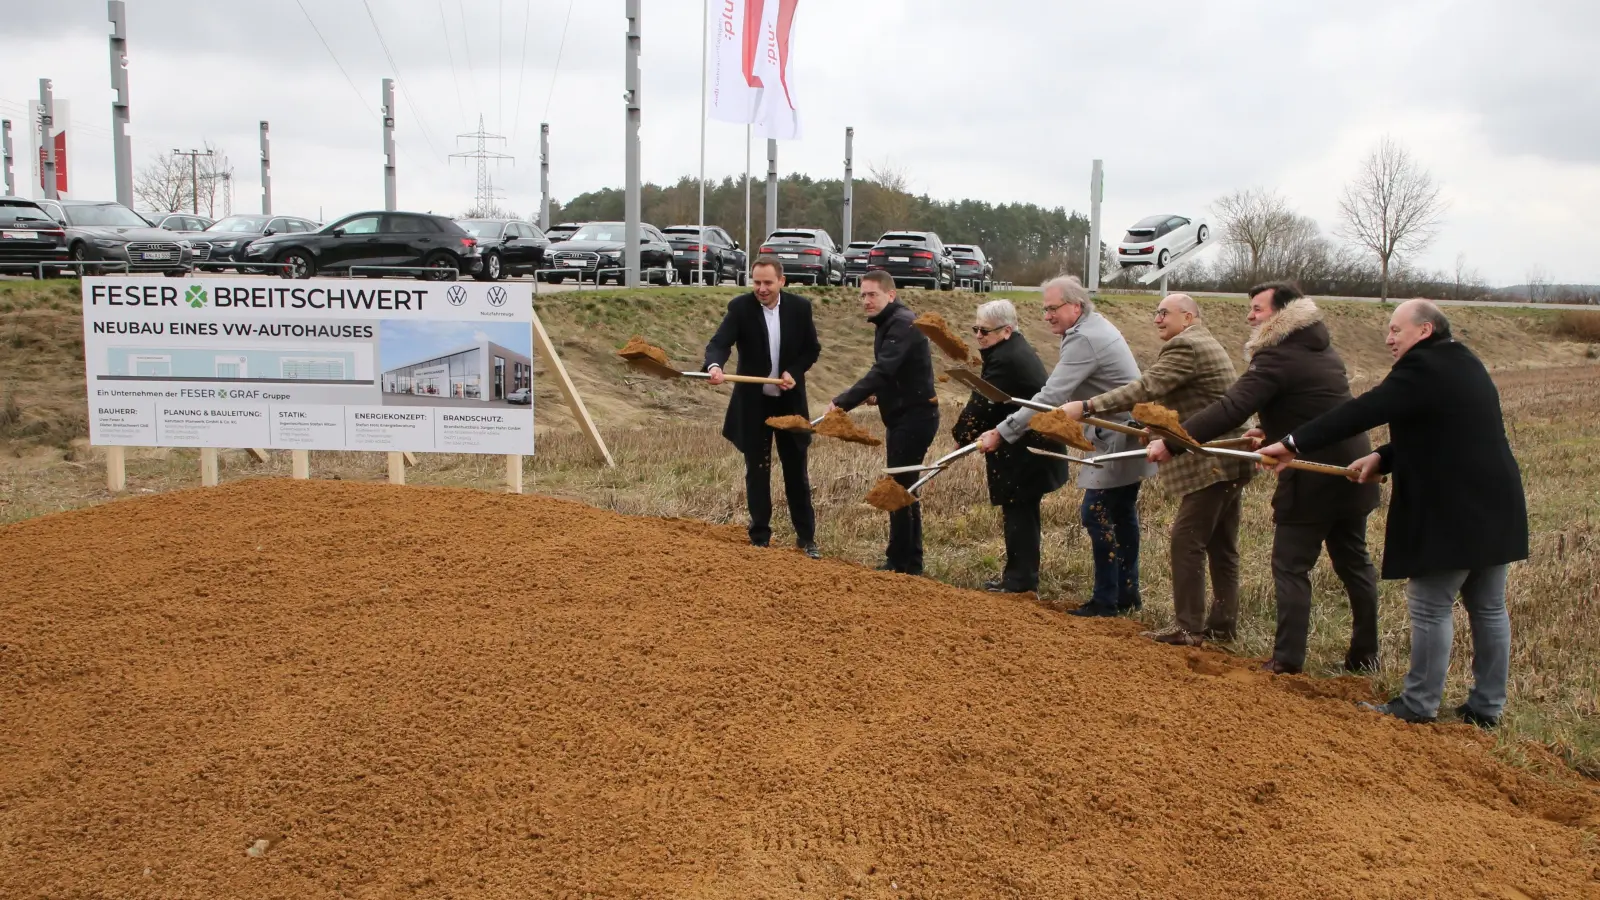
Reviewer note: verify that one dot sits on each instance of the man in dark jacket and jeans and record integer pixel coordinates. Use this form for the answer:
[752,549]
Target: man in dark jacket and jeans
[1457,517]
[901,378]
[1295,375]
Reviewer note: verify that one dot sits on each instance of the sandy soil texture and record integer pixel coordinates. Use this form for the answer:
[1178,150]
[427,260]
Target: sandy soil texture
[637,348]
[939,331]
[329,689]
[1057,426]
[838,424]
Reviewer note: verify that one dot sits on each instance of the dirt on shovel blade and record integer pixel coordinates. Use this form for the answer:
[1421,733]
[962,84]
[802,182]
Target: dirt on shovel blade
[889,495]
[1058,426]
[1158,416]
[939,331]
[636,348]
[838,424]
[790,423]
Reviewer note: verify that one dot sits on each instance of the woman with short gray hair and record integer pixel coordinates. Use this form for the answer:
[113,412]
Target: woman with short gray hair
[1018,480]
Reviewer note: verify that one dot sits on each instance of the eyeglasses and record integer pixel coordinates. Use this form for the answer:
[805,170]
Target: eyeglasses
[984,332]
[1055,308]
[1162,313]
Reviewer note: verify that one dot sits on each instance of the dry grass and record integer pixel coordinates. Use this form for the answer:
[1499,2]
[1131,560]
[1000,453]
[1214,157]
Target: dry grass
[1578,325]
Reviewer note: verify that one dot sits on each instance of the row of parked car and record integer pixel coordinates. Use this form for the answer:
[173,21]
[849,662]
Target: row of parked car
[78,234]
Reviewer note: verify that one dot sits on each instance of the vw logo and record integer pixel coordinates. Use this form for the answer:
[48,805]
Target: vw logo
[497,296]
[457,295]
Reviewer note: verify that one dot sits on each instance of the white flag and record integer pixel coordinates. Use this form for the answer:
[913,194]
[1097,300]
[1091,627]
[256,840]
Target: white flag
[752,79]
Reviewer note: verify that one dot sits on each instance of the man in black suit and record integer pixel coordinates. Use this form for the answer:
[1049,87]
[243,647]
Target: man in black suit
[901,378]
[776,338]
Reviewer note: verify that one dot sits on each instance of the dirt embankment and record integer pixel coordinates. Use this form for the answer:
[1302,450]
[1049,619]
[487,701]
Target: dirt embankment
[437,693]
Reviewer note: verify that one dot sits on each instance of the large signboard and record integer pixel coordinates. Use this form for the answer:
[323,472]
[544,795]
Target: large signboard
[318,364]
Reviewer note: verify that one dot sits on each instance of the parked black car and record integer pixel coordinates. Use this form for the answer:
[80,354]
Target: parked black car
[806,253]
[392,239]
[29,236]
[508,247]
[973,267]
[595,253]
[856,255]
[917,256]
[223,244]
[99,230]
[562,232]
[181,222]
[724,258]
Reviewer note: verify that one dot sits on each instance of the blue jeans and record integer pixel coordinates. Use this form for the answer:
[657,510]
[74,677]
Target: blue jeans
[1431,599]
[1111,516]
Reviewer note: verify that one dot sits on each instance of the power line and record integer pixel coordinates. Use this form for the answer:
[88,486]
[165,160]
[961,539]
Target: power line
[421,124]
[335,58]
[516,120]
[454,75]
[500,40]
[557,73]
[466,47]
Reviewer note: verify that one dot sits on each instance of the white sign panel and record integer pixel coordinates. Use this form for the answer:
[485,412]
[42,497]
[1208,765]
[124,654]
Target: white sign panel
[317,364]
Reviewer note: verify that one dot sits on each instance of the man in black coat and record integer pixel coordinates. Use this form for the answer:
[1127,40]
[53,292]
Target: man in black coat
[1457,516]
[776,338]
[1018,480]
[1295,375]
[901,378]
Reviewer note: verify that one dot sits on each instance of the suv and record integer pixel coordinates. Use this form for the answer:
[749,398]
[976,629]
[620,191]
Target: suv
[806,253]
[724,258]
[855,258]
[373,239]
[183,222]
[100,230]
[29,236]
[508,247]
[914,256]
[222,245]
[973,267]
[595,253]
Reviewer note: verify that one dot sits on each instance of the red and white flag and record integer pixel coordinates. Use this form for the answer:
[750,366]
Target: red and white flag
[752,71]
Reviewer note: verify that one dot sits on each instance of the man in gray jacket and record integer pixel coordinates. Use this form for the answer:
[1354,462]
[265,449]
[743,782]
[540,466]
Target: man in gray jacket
[1094,359]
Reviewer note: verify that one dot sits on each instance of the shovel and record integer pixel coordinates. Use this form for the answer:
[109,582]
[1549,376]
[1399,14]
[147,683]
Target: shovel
[650,367]
[809,428]
[1082,460]
[972,380]
[939,463]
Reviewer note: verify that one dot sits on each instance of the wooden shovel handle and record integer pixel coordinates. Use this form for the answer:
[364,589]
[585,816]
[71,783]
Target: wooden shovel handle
[1324,468]
[1116,426]
[751,379]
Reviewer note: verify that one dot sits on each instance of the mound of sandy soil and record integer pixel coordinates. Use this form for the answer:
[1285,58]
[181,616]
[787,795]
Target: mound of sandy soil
[315,689]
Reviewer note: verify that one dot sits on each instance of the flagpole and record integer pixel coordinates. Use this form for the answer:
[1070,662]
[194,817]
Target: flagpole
[747,257]
[705,30]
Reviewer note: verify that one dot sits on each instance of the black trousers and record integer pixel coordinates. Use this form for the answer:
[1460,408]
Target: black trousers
[796,482]
[906,442]
[1295,549]
[1021,517]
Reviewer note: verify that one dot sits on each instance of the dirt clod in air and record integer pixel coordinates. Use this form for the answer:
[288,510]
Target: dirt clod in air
[789,423]
[1158,416]
[636,348]
[838,424]
[889,495]
[433,692]
[939,331]
[1058,426]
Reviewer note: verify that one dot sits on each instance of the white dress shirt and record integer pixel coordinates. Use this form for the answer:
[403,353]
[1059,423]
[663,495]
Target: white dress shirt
[771,316]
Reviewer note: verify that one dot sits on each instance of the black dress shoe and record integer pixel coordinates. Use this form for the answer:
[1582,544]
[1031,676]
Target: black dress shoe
[888,567]
[1133,606]
[1469,716]
[810,549]
[1093,611]
[1361,665]
[759,543]
[993,584]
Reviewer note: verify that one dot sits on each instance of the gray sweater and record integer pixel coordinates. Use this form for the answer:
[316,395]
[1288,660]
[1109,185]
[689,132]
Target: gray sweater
[1094,359]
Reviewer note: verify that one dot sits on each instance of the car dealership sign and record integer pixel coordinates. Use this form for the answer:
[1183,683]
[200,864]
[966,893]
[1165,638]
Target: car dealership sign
[316,364]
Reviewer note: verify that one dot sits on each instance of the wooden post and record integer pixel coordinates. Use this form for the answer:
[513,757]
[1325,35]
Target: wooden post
[208,467]
[260,455]
[513,473]
[410,458]
[569,391]
[116,469]
[397,468]
[300,460]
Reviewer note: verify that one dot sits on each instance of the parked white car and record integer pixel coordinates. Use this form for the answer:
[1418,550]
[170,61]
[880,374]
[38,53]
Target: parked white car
[1154,240]
[520,396]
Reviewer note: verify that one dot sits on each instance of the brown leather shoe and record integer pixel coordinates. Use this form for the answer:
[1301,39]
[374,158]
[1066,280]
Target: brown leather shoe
[1276,667]
[1220,635]
[1175,636]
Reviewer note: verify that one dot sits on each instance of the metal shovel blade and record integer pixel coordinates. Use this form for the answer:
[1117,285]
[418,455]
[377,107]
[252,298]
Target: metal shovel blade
[1082,460]
[650,367]
[972,380]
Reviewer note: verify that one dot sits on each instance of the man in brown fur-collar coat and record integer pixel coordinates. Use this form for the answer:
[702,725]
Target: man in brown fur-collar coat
[1294,376]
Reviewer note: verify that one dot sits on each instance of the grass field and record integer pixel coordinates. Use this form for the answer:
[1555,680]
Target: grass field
[672,462]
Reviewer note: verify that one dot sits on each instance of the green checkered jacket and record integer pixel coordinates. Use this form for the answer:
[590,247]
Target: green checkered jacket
[1190,373]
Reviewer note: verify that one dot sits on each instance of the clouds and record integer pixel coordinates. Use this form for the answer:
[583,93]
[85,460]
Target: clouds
[1003,101]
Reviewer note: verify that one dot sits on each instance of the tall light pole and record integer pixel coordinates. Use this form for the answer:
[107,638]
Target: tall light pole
[194,175]
[266,172]
[772,187]
[389,199]
[631,205]
[6,157]
[1096,189]
[849,177]
[47,121]
[544,175]
[121,148]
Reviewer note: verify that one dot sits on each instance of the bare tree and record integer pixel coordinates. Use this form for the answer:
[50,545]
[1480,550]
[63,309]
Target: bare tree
[171,183]
[1538,284]
[1392,206]
[1253,220]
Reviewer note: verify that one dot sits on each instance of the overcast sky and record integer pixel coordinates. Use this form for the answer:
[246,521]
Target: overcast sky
[1000,101]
